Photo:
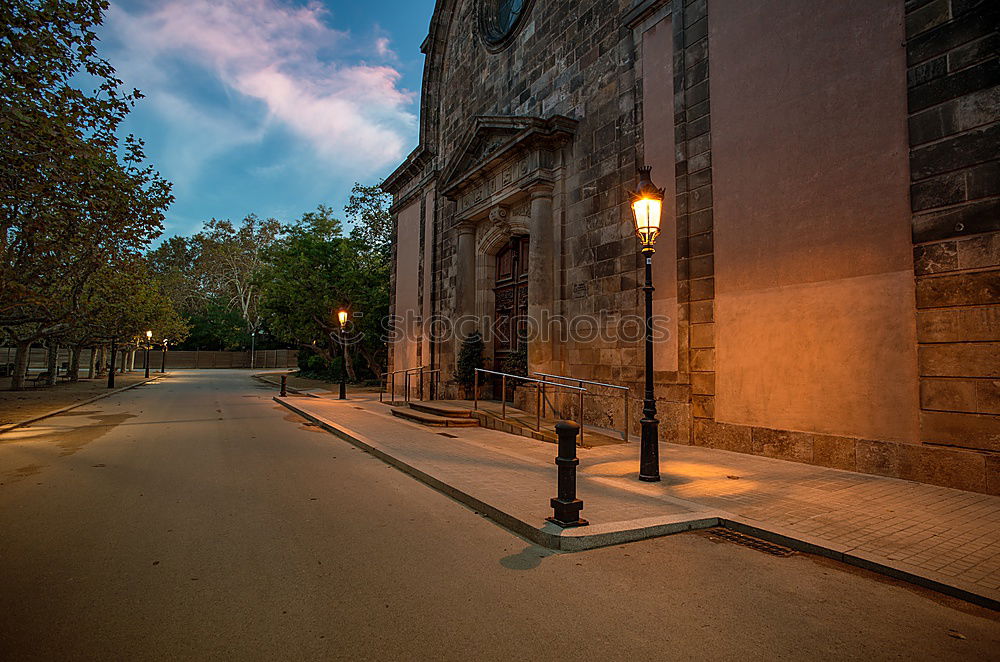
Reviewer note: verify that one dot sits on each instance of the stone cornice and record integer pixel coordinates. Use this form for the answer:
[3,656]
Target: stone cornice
[412,168]
[502,153]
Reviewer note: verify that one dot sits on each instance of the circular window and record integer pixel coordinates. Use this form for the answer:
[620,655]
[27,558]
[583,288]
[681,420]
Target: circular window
[499,21]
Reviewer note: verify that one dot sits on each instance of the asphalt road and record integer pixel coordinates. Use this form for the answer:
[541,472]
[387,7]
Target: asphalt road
[195,519]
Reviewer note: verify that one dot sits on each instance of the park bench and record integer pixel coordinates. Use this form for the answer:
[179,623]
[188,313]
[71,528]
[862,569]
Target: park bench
[42,376]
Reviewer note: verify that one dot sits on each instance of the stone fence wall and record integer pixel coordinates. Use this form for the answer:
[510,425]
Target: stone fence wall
[177,360]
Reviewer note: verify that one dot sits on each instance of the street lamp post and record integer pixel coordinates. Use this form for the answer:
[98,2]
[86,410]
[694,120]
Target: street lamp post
[163,357]
[647,205]
[149,340]
[342,318]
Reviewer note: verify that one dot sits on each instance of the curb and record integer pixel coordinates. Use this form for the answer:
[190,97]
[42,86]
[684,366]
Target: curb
[575,540]
[20,424]
[290,389]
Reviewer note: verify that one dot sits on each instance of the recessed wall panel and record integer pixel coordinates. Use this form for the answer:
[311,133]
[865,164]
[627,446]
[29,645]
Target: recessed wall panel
[814,306]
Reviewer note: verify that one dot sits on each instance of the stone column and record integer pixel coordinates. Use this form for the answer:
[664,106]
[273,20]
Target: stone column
[540,282]
[466,278]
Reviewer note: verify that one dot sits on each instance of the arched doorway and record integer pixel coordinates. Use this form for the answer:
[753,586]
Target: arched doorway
[510,291]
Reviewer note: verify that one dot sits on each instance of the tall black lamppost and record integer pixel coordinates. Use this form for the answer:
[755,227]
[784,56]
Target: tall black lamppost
[342,318]
[149,341]
[647,204]
[163,357]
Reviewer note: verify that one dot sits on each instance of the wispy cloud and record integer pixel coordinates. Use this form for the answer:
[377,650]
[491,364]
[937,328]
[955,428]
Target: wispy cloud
[284,68]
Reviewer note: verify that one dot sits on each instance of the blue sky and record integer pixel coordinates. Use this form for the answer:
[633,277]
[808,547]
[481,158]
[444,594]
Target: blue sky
[269,106]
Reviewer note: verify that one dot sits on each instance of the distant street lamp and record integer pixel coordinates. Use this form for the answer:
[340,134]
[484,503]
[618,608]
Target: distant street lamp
[342,318]
[253,346]
[647,206]
[163,357]
[149,340]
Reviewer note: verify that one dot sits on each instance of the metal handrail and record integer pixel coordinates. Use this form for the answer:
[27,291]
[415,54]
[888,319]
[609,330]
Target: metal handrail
[391,377]
[582,381]
[626,389]
[538,395]
[420,387]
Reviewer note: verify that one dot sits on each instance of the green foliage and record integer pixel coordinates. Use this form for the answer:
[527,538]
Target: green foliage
[213,279]
[313,270]
[470,357]
[125,300]
[516,363]
[78,202]
[74,197]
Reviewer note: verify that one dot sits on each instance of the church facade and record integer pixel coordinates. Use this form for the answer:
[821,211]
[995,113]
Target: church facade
[827,278]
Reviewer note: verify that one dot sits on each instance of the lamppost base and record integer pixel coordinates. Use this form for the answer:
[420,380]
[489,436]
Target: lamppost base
[649,479]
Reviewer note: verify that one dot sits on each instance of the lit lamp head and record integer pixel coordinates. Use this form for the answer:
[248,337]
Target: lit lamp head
[149,334]
[647,207]
[342,317]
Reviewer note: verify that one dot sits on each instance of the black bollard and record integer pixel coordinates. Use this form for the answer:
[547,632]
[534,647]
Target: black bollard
[566,506]
[284,391]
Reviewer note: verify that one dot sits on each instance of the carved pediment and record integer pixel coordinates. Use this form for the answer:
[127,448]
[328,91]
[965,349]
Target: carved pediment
[497,142]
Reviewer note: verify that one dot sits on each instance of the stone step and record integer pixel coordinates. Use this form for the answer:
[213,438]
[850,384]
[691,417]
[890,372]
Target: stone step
[441,410]
[432,419]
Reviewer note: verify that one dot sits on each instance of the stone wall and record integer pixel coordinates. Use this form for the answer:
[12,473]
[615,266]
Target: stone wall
[601,63]
[953,78]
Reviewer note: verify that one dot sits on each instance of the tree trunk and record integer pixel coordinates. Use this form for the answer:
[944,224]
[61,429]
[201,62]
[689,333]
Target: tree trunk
[370,358]
[100,361]
[20,365]
[74,363]
[131,360]
[92,365]
[53,355]
[349,364]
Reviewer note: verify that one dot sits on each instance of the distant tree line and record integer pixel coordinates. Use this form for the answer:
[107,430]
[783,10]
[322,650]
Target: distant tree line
[283,283]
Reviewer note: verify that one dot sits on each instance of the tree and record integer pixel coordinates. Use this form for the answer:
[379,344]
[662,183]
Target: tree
[314,270]
[230,258]
[74,197]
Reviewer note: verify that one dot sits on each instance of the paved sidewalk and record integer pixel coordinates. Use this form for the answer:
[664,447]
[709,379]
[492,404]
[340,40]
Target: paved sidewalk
[943,538]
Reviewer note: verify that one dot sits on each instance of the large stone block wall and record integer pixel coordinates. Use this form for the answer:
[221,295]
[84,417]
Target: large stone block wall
[953,78]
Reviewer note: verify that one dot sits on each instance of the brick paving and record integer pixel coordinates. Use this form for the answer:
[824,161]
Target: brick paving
[946,534]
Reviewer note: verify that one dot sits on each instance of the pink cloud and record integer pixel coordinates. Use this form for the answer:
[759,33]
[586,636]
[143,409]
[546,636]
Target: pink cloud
[285,57]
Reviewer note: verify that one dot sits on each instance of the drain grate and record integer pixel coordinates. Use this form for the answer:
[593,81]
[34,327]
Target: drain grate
[450,436]
[751,542]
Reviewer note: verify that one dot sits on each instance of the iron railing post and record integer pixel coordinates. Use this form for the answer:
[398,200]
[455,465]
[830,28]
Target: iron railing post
[475,390]
[625,436]
[581,417]
[538,407]
[503,397]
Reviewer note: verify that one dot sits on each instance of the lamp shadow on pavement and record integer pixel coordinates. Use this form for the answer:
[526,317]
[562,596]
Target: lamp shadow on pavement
[528,558]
